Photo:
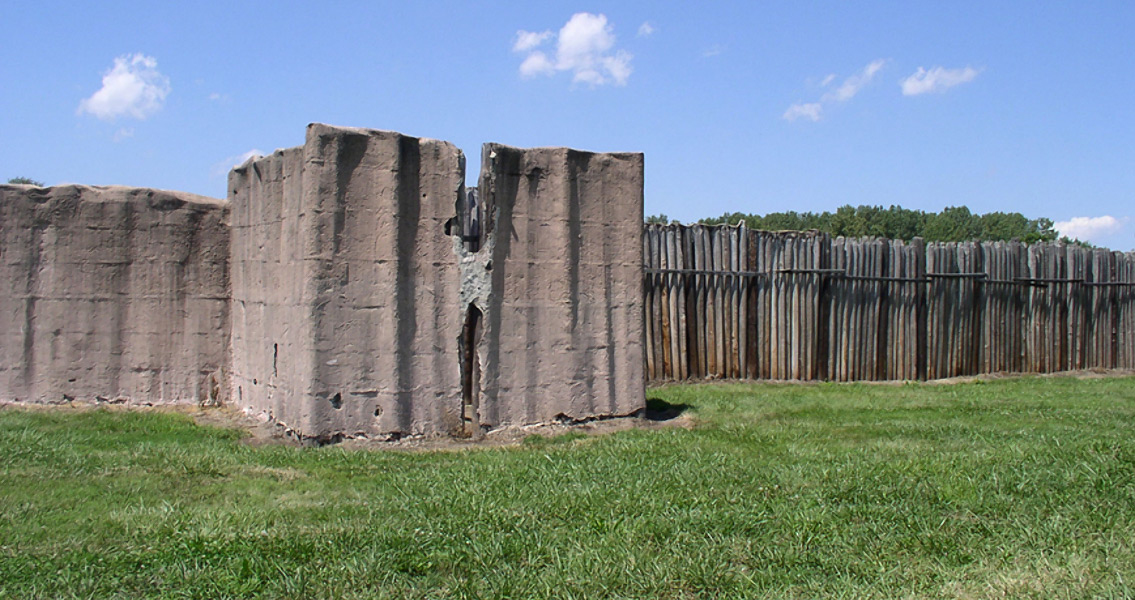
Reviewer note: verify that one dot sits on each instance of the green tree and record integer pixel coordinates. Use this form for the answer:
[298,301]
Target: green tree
[953,224]
[849,221]
[25,181]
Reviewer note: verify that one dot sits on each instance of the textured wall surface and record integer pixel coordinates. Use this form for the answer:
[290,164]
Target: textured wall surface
[271,331]
[333,291]
[362,336]
[563,329]
[113,293]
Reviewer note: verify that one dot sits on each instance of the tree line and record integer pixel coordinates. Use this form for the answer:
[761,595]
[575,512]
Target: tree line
[952,224]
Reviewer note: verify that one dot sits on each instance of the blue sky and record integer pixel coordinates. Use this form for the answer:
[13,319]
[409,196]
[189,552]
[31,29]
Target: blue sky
[748,106]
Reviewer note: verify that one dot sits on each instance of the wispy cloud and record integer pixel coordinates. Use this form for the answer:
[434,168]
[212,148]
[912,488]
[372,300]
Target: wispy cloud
[535,64]
[226,164]
[713,50]
[585,47]
[851,86]
[1088,228]
[133,87]
[241,158]
[811,111]
[937,79]
[123,133]
[646,29]
[527,40]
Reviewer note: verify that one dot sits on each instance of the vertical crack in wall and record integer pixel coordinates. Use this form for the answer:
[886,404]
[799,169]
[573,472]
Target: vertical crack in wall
[470,372]
[473,244]
[470,216]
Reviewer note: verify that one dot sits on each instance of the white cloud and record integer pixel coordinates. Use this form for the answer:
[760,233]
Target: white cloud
[813,111]
[1087,228]
[537,63]
[936,79]
[853,84]
[527,40]
[132,87]
[810,111]
[584,47]
[583,42]
[619,66]
[645,29]
[123,133]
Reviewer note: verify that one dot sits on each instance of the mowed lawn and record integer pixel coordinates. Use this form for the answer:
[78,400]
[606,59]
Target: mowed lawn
[1017,488]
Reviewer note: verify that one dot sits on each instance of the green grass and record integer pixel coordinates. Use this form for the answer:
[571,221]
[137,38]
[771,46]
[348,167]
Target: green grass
[1017,488]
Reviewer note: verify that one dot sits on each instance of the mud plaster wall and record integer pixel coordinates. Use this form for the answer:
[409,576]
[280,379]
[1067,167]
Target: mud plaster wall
[361,339]
[359,231]
[350,289]
[112,293]
[270,331]
[563,318]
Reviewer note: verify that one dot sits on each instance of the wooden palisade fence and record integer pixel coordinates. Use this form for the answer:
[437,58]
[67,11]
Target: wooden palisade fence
[730,302]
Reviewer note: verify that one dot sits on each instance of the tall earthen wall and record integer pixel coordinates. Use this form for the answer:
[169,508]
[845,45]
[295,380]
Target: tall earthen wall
[272,356]
[333,291]
[352,287]
[563,332]
[112,293]
[362,337]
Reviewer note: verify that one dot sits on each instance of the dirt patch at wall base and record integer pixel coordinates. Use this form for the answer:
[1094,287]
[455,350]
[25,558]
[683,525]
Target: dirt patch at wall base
[263,433]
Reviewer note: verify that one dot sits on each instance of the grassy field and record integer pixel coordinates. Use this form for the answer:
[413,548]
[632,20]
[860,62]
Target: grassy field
[1019,488]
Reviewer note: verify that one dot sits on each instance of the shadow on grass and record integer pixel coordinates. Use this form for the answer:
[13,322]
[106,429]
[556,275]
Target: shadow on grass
[661,410]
